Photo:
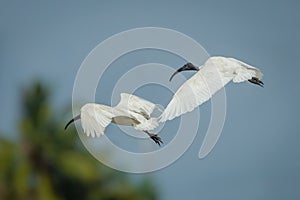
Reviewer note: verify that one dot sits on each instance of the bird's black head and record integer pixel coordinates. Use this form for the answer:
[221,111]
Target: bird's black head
[187,67]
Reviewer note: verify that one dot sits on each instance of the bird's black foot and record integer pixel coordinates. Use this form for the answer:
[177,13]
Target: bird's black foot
[155,138]
[256,81]
[186,67]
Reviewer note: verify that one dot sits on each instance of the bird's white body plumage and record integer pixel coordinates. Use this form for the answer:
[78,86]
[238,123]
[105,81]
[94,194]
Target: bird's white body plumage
[214,74]
[131,111]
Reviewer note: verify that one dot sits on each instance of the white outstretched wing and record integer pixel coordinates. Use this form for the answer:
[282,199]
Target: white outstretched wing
[135,104]
[195,91]
[94,118]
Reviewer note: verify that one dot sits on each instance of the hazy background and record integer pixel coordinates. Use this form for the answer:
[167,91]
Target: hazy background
[257,156]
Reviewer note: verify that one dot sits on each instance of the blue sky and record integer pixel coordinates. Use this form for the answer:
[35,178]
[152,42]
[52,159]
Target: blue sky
[257,156]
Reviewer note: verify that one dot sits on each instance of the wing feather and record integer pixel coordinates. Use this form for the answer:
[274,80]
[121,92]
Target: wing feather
[195,91]
[136,104]
[94,119]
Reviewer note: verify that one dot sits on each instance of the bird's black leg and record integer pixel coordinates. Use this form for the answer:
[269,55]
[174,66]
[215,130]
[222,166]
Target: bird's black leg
[186,67]
[155,137]
[256,81]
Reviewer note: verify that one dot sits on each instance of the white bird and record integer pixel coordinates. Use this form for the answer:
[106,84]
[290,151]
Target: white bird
[214,74]
[131,111]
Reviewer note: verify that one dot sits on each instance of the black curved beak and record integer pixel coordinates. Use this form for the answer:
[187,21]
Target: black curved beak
[186,67]
[256,81]
[72,120]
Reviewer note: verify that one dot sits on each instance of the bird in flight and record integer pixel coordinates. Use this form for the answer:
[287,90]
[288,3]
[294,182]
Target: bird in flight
[131,111]
[213,75]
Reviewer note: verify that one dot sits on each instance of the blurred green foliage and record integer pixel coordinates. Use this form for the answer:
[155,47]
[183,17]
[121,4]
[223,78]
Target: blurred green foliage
[46,162]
